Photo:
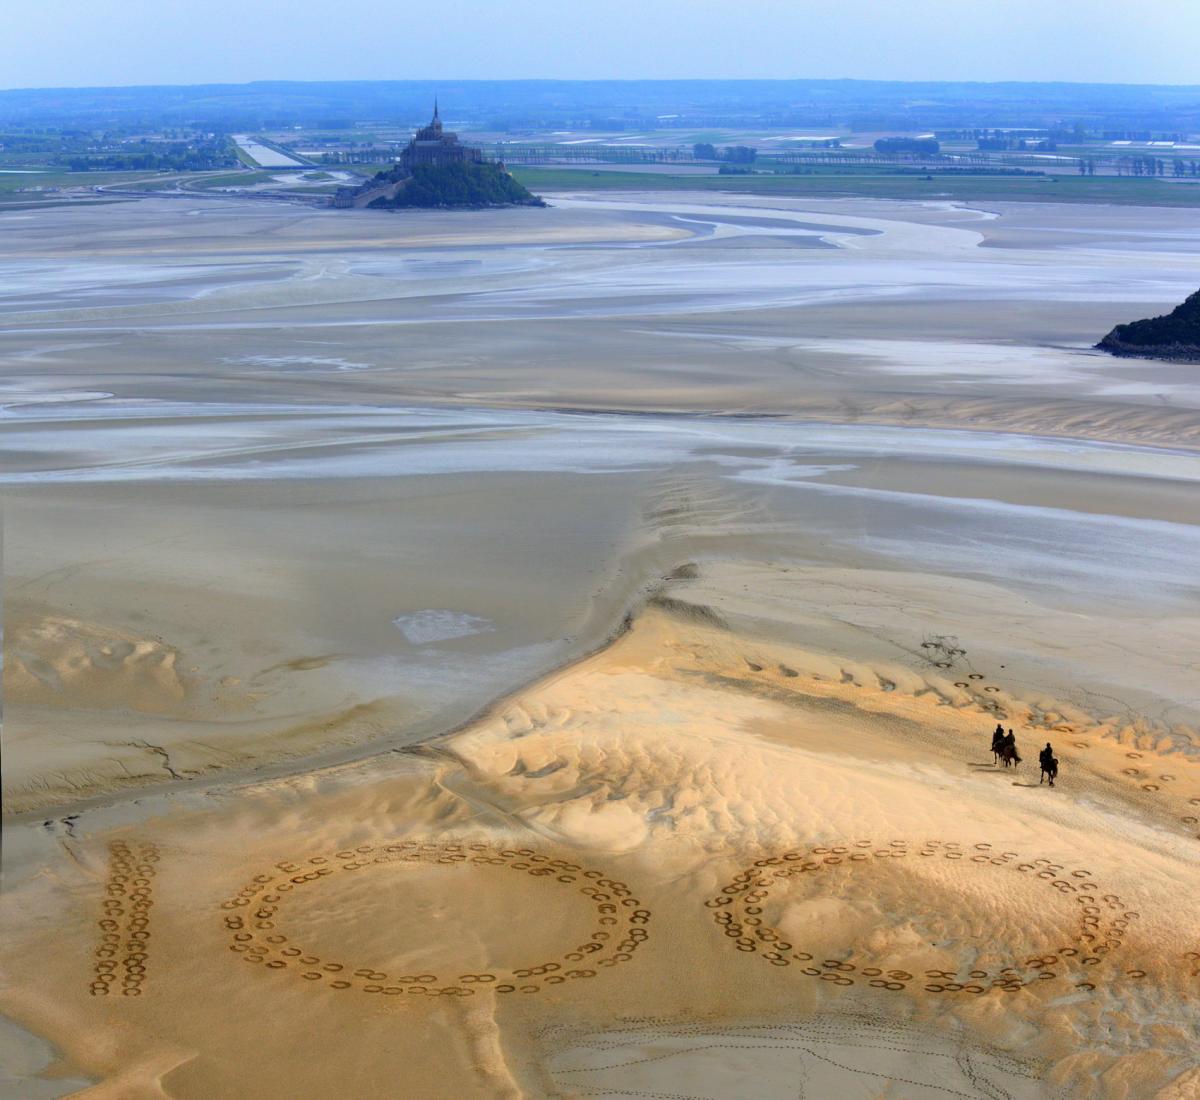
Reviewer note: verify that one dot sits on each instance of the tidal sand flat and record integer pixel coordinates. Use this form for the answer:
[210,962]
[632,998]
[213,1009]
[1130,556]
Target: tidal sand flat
[555,653]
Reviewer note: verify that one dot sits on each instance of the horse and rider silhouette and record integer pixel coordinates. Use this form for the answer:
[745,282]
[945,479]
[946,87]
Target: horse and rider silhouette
[1049,763]
[1004,751]
[1004,747]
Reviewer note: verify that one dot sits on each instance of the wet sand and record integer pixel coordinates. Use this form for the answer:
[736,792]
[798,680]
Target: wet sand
[365,574]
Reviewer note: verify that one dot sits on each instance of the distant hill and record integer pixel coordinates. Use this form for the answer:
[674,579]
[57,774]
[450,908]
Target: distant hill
[465,185]
[494,105]
[1174,336]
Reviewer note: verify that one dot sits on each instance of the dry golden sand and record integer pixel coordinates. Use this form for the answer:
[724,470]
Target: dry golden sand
[570,896]
[747,839]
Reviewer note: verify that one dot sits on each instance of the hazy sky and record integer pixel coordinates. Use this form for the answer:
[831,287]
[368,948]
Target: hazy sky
[50,43]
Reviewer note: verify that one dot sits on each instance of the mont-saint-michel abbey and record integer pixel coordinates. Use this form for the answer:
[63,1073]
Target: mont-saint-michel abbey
[434,145]
[654,556]
[452,172]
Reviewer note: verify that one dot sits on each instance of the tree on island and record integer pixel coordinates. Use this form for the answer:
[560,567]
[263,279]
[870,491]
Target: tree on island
[463,184]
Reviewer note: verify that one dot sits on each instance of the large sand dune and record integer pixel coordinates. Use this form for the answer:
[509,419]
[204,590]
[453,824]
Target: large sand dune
[555,653]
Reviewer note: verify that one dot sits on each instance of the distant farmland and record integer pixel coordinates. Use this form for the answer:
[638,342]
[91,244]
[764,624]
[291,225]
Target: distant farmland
[1131,191]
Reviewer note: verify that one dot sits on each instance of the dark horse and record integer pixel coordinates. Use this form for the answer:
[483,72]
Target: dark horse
[1008,751]
[1049,764]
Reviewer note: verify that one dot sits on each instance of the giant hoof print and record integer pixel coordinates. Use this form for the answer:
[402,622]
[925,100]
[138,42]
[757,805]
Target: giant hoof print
[1101,919]
[257,913]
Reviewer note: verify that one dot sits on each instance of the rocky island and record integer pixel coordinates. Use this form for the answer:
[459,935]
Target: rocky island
[437,171]
[1173,336]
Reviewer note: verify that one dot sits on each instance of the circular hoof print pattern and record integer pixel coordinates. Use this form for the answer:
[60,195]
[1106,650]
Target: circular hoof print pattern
[622,919]
[123,949]
[1102,920]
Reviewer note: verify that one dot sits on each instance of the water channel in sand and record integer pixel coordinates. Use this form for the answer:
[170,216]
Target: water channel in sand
[603,498]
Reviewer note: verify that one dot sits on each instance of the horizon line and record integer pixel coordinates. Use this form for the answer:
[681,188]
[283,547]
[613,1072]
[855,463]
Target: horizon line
[600,80]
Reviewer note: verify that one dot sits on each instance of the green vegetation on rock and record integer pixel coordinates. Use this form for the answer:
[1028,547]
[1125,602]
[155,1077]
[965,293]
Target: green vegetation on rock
[467,184]
[1173,336]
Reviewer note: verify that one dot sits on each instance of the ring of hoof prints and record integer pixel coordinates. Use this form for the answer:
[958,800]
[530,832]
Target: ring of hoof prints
[619,912]
[741,903]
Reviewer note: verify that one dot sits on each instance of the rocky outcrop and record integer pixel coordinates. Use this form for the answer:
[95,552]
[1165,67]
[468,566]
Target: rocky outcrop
[1173,336]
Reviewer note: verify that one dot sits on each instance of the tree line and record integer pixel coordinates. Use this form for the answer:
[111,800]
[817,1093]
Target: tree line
[730,154]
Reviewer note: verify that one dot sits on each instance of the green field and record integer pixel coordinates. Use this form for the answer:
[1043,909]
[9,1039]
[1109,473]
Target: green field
[236,179]
[10,185]
[1131,191]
